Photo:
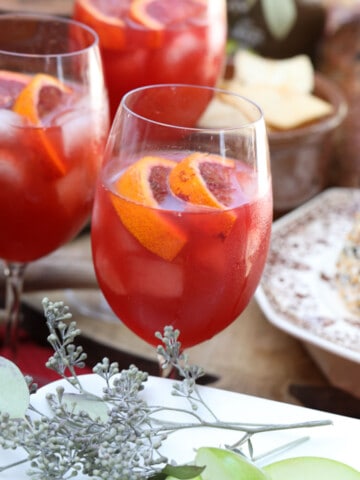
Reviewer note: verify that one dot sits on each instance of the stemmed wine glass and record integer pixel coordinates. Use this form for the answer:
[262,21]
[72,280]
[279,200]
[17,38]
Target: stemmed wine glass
[54,123]
[183,210]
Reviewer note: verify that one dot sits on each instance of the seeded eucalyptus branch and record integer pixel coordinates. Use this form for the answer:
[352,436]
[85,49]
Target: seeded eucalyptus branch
[116,435]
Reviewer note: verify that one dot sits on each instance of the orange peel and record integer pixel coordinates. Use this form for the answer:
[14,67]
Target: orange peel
[31,105]
[105,18]
[140,191]
[202,179]
[205,180]
[157,14]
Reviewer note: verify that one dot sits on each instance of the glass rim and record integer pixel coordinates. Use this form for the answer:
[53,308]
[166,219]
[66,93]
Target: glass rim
[246,100]
[52,18]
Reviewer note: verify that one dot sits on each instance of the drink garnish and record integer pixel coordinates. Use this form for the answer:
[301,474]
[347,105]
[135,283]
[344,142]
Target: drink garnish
[209,181]
[204,179]
[111,20]
[144,185]
[155,14]
[38,98]
[106,18]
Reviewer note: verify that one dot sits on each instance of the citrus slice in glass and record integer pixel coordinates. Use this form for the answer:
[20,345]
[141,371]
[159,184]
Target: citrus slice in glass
[38,98]
[204,179]
[207,180]
[157,14]
[141,190]
[106,17]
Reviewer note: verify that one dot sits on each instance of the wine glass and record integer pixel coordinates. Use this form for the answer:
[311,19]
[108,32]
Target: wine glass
[157,41]
[183,211]
[54,124]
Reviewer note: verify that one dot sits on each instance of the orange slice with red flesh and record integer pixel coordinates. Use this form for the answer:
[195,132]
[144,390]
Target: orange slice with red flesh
[157,14]
[141,189]
[38,98]
[106,17]
[207,180]
[112,19]
[204,179]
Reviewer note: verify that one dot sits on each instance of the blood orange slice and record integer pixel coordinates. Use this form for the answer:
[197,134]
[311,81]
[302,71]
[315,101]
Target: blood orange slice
[204,179]
[141,189]
[41,95]
[37,99]
[106,18]
[157,14]
[207,181]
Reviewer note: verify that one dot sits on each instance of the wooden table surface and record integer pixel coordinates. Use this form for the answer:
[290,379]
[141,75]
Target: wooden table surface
[56,7]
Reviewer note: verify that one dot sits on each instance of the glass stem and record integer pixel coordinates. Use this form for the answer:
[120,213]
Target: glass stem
[14,279]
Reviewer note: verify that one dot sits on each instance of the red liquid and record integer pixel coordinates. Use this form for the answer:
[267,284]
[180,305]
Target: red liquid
[203,289]
[40,208]
[189,49]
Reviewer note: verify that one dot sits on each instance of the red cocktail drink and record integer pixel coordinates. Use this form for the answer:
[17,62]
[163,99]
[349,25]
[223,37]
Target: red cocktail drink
[200,271]
[183,211]
[147,42]
[48,165]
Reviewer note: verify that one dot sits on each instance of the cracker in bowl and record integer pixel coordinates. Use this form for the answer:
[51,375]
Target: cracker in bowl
[282,88]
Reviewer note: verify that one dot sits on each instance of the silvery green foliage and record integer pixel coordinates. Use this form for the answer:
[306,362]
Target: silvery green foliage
[117,435]
[280,16]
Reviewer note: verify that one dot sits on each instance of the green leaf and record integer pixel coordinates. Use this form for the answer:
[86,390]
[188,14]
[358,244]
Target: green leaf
[280,16]
[94,406]
[183,472]
[179,472]
[15,395]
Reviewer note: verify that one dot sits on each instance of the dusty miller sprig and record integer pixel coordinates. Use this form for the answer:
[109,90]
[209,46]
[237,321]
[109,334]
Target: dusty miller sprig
[124,441]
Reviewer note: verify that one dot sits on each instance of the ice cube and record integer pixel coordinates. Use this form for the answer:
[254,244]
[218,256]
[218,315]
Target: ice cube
[11,171]
[82,127]
[9,123]
[70,194]
[180,47]
[156,278]
[76,129]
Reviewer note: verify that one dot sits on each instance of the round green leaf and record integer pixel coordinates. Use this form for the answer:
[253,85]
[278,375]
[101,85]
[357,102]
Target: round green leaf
[280,16]
[94,406]
[14,395]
